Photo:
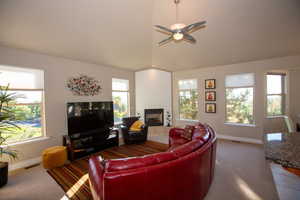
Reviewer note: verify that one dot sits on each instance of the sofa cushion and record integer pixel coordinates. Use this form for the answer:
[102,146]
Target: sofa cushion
[180,141]
[174,146]
[137,162]
[135,133]
[124,163]
[161,157]
[188,132]
[187,148]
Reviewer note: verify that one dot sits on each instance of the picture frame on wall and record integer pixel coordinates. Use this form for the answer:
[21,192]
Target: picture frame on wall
[210,84]
[210,107]
[210,96]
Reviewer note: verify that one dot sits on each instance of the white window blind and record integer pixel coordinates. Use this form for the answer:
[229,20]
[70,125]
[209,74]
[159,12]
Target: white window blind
[187,84]
[20,78]
[274,83]
[240,80]
[120,84]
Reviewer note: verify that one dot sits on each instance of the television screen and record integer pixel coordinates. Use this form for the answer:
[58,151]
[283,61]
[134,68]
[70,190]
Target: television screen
[89,116]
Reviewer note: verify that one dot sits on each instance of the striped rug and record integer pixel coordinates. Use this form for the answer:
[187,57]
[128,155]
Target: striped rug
[73,178]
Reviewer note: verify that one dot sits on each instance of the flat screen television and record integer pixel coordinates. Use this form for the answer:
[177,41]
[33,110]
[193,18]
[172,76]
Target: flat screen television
[85,117]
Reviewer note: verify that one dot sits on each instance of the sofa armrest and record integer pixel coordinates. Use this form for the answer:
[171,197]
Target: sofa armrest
[96,172]
[124,127]
[145,129]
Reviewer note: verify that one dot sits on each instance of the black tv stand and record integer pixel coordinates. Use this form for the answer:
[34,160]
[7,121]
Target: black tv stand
[86,143]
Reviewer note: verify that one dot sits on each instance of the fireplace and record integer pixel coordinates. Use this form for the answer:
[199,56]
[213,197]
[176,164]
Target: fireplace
[154,117]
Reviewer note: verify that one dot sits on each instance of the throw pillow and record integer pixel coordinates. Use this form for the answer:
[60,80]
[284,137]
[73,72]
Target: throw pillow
[136,126]
[188,132]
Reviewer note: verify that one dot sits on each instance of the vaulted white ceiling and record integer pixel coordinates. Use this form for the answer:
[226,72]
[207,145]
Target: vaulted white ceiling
[120,33]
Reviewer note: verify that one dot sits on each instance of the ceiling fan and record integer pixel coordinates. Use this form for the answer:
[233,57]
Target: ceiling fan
[179,31]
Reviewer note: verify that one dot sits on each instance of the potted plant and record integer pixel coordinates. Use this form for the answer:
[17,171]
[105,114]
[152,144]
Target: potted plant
[6,127]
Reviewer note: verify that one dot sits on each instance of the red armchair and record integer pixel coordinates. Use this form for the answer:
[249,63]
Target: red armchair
[183,172]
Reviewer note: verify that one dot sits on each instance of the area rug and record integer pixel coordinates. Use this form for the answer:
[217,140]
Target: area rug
[73,177]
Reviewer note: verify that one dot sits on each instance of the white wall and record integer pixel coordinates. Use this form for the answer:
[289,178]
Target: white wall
[289,64]
[153,90]
[57,71]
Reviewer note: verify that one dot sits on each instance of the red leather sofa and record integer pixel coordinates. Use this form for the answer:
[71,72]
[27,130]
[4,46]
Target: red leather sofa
[184,172]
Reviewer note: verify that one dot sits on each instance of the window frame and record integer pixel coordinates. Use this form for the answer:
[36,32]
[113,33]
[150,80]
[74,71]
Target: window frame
[283,93]
[253,100]
[190,90]
[122,91]
[43,124]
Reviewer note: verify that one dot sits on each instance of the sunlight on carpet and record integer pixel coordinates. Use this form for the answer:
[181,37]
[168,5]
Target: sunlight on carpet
[64,198]
[245,188]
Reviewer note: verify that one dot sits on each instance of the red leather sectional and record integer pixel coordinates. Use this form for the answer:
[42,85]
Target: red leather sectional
[184,172]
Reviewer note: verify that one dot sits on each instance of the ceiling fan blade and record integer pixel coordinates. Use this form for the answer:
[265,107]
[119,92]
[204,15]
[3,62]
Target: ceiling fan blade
[164,28]
[189,38]
[164,32]
[192,26]
[165,41]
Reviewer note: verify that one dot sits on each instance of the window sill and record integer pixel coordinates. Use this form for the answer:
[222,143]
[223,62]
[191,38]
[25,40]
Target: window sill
[240,125]
[38,139]
[187,120]
[117,124]
[274,117]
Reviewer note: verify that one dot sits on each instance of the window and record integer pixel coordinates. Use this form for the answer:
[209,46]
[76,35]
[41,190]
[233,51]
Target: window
[188,99]
[275,94]
[239,98]
[120,95]
[27,85]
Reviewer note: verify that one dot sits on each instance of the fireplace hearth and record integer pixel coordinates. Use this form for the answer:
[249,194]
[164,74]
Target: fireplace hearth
[154,117]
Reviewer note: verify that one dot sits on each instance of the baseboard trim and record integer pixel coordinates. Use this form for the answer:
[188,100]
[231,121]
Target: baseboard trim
[25,163]
[240,139]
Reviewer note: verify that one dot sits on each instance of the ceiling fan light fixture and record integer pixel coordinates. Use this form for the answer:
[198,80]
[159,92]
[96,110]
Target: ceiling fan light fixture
[178,36]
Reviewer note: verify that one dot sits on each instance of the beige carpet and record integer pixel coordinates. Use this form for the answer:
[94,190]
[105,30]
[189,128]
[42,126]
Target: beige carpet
[31,184]
[241,174]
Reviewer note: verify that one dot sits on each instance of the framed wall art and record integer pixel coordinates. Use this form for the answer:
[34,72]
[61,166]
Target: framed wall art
[210,84]
[210,108]
[210,96]
[84,85]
